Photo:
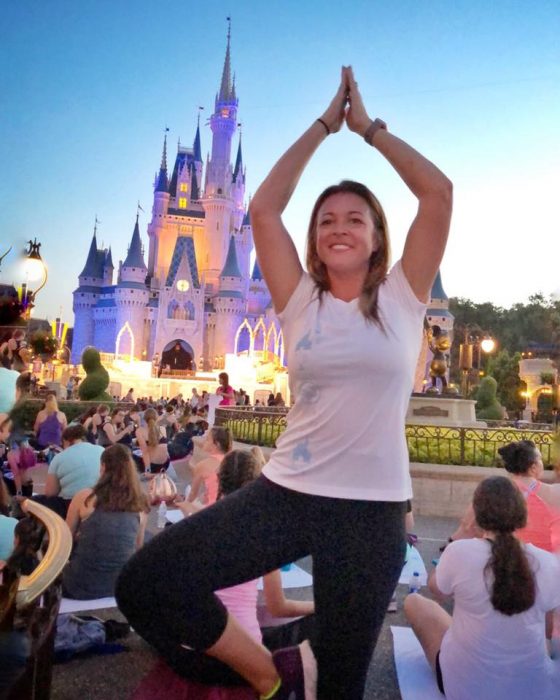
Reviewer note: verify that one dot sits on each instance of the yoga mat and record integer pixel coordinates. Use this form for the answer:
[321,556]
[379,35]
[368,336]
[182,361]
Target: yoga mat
[68,605]
[413,564]
[416,679]
[293,578]
[174,516]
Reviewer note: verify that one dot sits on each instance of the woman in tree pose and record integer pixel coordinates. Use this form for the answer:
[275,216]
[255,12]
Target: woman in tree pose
[339,496]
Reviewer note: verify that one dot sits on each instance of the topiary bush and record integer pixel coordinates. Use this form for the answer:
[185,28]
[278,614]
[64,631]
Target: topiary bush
[487,405]
[93,387]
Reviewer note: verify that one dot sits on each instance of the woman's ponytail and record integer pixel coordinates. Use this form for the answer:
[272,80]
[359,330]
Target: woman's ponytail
[500,509]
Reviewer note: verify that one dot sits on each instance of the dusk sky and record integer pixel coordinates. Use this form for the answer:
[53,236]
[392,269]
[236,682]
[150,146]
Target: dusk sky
[88,87]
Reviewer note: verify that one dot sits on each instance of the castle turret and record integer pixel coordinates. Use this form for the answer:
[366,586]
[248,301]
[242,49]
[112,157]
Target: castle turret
[259,297]
[229,302]
[438,313]
[159,209]
[90,283]
[131,299]
[223,124]
[218,203]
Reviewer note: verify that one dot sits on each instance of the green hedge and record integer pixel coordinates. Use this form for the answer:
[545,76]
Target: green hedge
[26,412]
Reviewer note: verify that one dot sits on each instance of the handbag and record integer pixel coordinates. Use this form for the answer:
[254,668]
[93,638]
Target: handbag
[161,488]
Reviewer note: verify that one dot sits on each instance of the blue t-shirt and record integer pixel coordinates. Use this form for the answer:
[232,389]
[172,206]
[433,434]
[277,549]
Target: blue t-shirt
[7,527]
[8,378]
[77,468]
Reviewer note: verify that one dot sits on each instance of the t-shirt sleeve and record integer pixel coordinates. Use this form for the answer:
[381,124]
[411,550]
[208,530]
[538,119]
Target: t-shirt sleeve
[548,578]
[400,289]
[53,466]
[300,296]
[445,570]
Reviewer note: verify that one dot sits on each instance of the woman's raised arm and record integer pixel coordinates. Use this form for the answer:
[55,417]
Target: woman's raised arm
[276,252]
[425,243]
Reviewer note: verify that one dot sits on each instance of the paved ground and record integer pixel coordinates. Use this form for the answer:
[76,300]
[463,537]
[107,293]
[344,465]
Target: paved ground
[115,677]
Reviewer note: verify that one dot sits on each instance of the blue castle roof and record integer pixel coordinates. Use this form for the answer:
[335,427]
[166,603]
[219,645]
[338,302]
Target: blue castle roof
[135,257]
[231,267]
[246,219]
[437,289]
[183,246]
[257,274]
[162,183]
[197,150]
[238,164]
[234,294]
[95,261]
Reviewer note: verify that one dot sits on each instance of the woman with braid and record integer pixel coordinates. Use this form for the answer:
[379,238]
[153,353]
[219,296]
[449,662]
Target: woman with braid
[352,326]
[493,648]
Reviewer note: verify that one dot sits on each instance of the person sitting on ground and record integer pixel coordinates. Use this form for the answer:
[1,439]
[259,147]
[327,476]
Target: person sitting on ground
[237,469]
[93,426]
[168,421]
[493,648]
[271,400]
[49,424]
[279,400]
[523,462]
[195,398]
[205,474]
[108,522]
[7,524]
[153,444]
[85,418]
[11,356]
[75,468]
[113,430]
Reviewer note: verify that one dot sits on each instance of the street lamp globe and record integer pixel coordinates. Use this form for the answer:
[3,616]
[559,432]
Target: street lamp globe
[488,345]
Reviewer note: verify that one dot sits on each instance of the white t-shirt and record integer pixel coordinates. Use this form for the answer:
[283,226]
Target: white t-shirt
[487,655]
[351,383]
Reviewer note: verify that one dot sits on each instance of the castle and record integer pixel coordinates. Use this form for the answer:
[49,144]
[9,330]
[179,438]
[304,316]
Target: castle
[197,289]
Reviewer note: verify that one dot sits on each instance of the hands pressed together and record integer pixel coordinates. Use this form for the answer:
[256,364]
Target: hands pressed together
[347,105]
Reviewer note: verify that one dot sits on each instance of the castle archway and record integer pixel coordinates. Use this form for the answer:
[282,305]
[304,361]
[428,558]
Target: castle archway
[177,355]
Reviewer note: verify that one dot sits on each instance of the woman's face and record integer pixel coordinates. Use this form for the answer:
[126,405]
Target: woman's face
[346,236]
[118,418]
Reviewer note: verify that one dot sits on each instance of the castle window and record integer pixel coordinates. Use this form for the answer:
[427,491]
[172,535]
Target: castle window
[182,202]
[183,187]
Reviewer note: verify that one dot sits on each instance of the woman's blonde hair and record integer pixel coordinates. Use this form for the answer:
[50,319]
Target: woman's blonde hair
[151,416]
[51,404]
[379,260]
[118,488]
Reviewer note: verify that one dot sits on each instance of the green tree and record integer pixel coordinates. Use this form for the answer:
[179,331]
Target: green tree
[505,370]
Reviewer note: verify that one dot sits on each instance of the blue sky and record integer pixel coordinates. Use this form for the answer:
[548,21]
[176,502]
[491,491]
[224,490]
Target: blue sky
[89,86]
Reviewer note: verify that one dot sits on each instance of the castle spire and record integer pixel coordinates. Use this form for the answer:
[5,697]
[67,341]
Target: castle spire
[238,162]
[162,183]
[231,266]
[196,146]
[225,87]
[135,256]
[91,268]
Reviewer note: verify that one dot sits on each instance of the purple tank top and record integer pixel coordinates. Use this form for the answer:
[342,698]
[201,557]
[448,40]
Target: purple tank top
[50,431]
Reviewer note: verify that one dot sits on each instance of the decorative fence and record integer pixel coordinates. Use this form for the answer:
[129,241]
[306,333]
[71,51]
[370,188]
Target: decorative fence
[426,443]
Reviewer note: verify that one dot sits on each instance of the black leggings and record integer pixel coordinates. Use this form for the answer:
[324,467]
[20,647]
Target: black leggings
[358,547]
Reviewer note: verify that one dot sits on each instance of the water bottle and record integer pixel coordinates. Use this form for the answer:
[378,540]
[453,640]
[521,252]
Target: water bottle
[414,584]
[162,514]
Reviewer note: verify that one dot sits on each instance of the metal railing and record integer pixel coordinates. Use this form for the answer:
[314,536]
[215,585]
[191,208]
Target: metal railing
[426,443]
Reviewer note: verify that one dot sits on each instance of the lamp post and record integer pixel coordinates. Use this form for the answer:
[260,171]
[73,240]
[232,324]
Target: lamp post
[35,269]
[473,338]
